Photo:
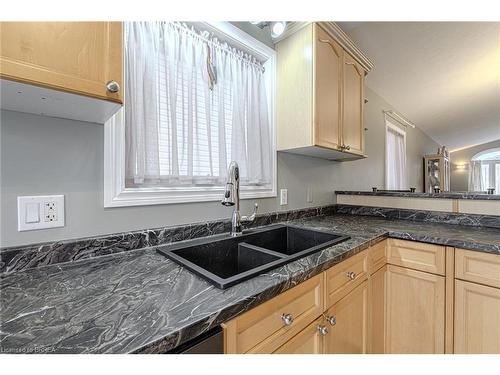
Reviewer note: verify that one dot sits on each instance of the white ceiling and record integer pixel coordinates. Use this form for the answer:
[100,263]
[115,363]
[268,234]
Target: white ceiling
[443,76]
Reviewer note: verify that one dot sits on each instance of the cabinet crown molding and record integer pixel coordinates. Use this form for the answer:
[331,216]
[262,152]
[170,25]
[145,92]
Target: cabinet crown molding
[340,37]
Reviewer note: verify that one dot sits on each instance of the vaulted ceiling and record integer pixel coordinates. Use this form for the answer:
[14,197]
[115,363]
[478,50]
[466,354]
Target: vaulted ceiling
[443,76]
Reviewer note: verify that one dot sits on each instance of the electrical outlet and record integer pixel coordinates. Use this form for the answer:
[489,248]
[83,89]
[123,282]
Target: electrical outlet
[283,197]
[50,211]
[40,212]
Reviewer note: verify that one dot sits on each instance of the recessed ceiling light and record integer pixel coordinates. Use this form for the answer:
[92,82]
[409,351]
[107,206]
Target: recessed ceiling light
[277,28]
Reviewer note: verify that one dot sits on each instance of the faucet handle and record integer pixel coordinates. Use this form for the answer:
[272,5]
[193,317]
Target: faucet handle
[251,218]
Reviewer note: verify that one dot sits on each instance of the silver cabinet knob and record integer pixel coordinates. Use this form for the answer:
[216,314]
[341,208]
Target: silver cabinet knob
[287,319]
[112,86]
[323,330]
[332,320]
[351,275]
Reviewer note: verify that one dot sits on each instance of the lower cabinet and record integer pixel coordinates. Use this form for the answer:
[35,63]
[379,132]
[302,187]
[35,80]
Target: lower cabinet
[271,325]
[415,311]
[297,321]
[396,297]
[347,323]
[309,341]
[477,315]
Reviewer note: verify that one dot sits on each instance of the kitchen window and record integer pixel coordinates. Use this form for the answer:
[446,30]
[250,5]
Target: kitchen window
[484,172]
[395,156]
[196,97]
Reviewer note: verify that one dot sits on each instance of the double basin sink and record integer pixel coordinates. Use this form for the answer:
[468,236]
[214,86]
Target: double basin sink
[225,261]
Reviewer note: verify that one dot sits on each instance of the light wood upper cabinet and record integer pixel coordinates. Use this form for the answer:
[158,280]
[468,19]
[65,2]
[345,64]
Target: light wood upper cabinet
[75,57]
[319,96]
[477,313]
[327,90]
[352,105]
[415,311]
[347,323]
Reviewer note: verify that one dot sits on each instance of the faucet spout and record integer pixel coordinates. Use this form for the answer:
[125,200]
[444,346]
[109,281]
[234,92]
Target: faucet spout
[232,198]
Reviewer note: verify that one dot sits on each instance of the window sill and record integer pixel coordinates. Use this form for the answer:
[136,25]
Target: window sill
[155,196]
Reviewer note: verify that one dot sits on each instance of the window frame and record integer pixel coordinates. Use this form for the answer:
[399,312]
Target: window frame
[389,124]
[492,166]
[115,192]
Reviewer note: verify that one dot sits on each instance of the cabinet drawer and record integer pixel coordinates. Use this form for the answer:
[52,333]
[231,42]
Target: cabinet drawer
[416,255]
[263,329]
[345,276]
[376,256]
[477,267]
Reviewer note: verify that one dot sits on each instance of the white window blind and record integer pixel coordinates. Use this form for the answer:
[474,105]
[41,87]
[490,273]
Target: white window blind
[192,104]
[395,149]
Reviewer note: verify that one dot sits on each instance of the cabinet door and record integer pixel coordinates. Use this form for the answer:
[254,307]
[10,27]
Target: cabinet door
[376,313]
[348,331]
[352,108]
[307,341]
[327,89]
[77,57]
[415,311]
[477,312]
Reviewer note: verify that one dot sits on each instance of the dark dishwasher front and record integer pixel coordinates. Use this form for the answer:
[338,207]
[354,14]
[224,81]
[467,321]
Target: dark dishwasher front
[211,342]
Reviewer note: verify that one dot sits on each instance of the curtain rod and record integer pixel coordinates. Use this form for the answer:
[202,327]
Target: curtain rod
[400,118]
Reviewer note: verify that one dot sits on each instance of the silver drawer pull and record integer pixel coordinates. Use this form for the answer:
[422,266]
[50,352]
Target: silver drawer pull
[332,320]
[287,319]
[351,275]
[323,330]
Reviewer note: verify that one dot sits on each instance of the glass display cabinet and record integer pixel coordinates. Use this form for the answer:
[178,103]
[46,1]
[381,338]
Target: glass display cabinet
[437,173]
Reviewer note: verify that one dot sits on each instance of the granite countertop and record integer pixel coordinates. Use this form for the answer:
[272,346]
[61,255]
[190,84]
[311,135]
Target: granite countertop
[140,301]
[443,195]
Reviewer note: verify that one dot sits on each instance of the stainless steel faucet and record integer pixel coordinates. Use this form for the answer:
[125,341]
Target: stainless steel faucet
[232,198]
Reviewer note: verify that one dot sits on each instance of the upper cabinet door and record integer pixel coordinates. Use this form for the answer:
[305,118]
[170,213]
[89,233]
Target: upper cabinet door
[327,89]
[352,109]
[77,57]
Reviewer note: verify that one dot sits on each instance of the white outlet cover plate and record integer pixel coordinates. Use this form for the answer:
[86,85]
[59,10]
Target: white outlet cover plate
[283,197]
[29,201]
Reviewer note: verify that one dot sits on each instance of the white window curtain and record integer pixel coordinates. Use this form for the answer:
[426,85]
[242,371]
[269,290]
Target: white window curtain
[396,177]
[484,175]
[192,104]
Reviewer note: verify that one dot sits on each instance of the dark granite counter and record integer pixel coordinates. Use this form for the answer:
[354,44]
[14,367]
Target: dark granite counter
[139,301]
[443,195]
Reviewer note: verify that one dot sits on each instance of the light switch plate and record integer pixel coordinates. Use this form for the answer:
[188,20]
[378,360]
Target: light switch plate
[283,197]
[40,212]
